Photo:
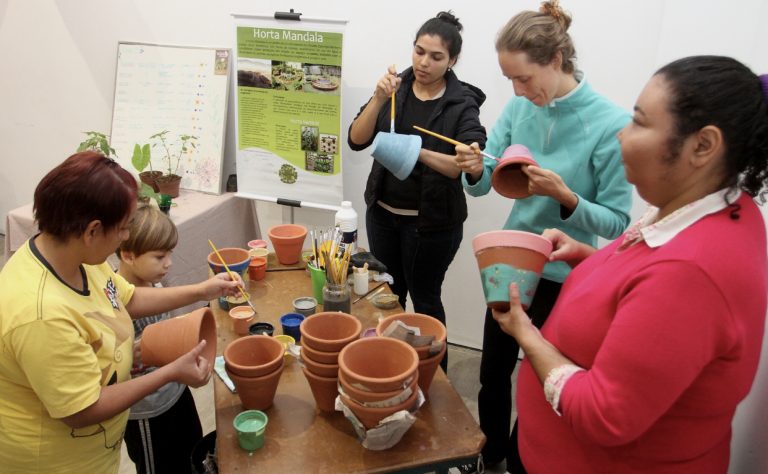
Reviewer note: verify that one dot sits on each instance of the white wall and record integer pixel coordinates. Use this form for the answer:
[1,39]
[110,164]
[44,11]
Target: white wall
[58,79]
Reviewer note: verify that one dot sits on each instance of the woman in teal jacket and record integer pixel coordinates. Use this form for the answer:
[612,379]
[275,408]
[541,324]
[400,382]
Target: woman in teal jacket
[579,186]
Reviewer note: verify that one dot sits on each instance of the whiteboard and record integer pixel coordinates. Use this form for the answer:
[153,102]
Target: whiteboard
[181,89]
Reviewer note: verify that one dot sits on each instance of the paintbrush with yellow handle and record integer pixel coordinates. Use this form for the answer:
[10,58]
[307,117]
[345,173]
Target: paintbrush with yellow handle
[233,277]
[451,141]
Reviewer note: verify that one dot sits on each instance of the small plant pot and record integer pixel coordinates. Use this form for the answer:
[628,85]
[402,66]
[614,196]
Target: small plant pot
[257,244]
[324,390]
[169,184]
[396,152]
[365,397]
[330,331]
[257,269]
[236,259]
[363,364]
[319,368]
[508,178]
[288,240]
[242,317]
[165,341]
[150,179]
[253,356]
[257,393]
[507,256]
[428,326]
[250,426]
[259,252]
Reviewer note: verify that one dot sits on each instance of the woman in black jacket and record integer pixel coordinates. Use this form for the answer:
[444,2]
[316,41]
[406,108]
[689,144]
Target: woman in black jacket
[415,226]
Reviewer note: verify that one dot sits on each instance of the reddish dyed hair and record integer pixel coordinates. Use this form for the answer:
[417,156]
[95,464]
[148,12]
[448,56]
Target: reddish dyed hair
[86,187]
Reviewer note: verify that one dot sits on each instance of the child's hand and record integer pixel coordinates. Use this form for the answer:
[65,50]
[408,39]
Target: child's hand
[192,368]
[221,285]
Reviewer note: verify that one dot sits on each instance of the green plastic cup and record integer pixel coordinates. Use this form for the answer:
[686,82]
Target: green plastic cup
[318,282]
[250,426]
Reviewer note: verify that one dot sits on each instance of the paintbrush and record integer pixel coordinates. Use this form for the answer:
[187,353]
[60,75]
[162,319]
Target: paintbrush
[378,287]
[392,111]
[452,141]
[233,277]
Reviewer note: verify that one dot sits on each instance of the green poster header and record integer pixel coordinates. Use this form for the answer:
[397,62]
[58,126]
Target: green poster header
[289,45]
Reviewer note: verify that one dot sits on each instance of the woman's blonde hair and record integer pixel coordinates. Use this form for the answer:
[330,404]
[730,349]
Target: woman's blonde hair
[150,230]
[541,35]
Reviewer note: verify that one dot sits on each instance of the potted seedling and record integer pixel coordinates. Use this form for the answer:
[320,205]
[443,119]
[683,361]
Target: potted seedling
[169,182]
[98,141]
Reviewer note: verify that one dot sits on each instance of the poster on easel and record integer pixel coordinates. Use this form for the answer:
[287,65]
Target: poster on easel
[179,89]
[288,110]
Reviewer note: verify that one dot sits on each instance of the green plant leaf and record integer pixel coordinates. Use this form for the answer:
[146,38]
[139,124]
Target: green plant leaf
[146,191]
[141,157]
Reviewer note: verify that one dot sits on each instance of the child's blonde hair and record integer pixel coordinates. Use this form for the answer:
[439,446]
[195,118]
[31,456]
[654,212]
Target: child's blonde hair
[150,230]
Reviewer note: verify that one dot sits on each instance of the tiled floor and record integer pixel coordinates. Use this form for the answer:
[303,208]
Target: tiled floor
[463,370]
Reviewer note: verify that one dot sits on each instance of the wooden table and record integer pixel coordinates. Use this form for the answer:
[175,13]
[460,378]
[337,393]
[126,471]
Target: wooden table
[300,438]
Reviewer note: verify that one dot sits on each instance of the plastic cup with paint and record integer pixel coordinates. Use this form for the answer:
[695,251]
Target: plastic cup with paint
[250,426]
[305,305]
[291,323]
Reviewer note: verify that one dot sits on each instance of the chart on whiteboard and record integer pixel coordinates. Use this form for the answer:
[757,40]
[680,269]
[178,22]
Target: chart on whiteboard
[289,112]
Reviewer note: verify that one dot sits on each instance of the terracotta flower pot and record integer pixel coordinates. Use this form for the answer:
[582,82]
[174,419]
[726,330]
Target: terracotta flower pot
[324,389]
[150,179]
[257,393]
[323,357]
[329,331]
[427,369]
[287,240]
[253,356]
[236,259]
[506,256]
[165,341]
[242,317]
[318,368]
[378,364]
[364,396]
[508,178]
[428,326]
[169,184]
[371,416]
[257,269]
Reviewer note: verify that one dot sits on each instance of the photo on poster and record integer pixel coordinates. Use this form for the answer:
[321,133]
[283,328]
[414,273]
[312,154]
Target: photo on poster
[309,138]
[254,73]
[319,162]
[328,143]
[322,78]
[287,76]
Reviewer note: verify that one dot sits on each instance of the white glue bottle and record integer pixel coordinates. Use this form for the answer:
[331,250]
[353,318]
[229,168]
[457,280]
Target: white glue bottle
[346,221]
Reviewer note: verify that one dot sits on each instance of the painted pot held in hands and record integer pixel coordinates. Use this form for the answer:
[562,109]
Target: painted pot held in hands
[396,152]
[508,178]
[506,256]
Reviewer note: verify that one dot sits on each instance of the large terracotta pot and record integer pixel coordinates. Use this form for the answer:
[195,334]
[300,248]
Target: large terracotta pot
[257,393]
[169,184]
[324,389]
[378,364]
[427,369]
[287,240]
[318,368]
[506,256]
[165,341]
[329,331]
[428,326]
[253,356]
[236,259]
[508,178]
[377,398]
[323,357]
[371,416]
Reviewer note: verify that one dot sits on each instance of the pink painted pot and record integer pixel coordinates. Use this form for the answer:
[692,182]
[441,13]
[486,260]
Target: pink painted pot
[507,256]
[508,178]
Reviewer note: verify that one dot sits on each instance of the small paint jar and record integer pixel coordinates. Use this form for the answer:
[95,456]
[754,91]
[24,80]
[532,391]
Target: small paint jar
[261,328]
[305,305]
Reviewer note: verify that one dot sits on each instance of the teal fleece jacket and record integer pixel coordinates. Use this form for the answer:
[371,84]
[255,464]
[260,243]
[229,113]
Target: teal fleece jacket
[574,136]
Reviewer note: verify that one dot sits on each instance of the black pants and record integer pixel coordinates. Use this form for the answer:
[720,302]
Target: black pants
[164,443]
[496,366]
[416,260]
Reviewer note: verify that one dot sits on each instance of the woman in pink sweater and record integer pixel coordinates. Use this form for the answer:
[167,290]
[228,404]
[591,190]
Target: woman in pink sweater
[655,338]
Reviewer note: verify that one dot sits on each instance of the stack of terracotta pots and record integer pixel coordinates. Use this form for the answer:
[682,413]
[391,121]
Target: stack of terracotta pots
[255,363]
[377,377]
[323,336]
[430,355]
